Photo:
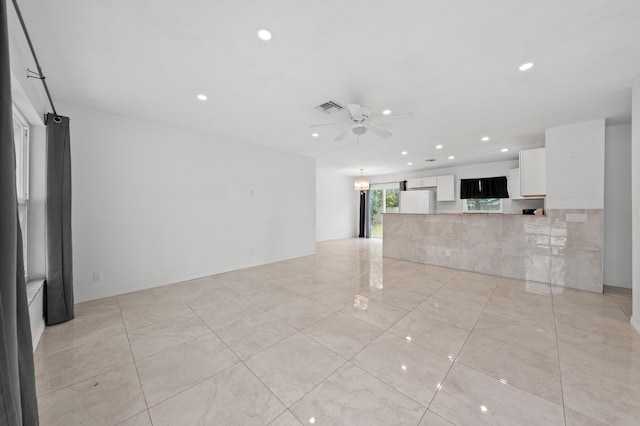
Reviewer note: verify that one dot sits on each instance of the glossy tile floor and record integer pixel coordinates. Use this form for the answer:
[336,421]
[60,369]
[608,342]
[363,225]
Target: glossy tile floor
[344,337]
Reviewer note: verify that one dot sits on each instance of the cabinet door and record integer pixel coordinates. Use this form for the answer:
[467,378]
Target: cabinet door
[414,183]
[446,186]
[533,174]
[514,184]
[429,182]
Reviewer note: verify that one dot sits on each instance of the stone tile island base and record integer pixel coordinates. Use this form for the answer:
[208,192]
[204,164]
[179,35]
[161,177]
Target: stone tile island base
[546,249]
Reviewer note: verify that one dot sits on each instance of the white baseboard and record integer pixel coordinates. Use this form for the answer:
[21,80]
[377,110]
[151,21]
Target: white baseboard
[635,324]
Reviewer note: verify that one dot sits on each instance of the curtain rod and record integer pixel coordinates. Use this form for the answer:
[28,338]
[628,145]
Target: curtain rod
[35,58]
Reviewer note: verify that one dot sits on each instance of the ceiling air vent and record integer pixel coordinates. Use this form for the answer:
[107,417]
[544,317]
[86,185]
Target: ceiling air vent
[430,160]
[329,107]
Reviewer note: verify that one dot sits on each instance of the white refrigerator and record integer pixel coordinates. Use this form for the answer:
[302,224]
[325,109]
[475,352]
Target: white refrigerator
[418,202]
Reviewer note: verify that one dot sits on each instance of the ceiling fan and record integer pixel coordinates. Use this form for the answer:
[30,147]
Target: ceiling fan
[360,123]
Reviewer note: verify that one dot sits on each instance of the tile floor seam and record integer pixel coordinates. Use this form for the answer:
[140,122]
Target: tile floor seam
[102,372]
[555,325]
[618,304]
[291,325]
[390,385]
[241,361]
[386,330]
[137,414]
[507,383]
[191,386]
[351,318]
[84,380]
[296,401]
[230,324]
[444,379]
[144,395]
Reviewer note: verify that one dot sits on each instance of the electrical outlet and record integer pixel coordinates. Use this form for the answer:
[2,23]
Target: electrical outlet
[447,252]
[576,217]
[97,276]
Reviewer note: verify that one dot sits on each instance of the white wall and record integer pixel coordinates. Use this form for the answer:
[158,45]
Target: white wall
[154,205]
[336,206]
[575,166]
[617,206]
[21,59]
[501,168]
[635,197]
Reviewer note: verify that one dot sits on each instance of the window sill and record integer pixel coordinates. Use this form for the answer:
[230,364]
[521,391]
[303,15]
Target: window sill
[33,288]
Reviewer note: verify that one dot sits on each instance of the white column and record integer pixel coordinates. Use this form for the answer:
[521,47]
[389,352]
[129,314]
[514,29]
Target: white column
[635,203]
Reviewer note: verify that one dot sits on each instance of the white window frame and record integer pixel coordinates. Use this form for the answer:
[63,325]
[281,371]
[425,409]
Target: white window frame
[22,176]
[465,206]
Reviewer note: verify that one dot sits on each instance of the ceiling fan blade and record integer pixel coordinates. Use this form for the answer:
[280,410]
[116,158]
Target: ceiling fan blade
[342,135]
[379,131]
[401,114]
[329,124]
[356,111]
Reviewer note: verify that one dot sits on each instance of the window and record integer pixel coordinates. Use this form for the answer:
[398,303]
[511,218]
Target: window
[21,139]
[482,205]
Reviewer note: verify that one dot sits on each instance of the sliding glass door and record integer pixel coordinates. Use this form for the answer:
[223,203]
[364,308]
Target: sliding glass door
[384,198]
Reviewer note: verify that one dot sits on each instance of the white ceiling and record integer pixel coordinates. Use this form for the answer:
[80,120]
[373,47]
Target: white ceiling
[452,63]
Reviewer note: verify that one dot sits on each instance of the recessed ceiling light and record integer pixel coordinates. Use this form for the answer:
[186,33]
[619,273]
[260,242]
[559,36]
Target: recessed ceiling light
[315,135]
[504,150]
[451,157]
[202,97]
[485,138]
[438,146]
[408,338]
[404,152]
[386,112]
[409,164]
[526,66]
[483,408]
[265,34]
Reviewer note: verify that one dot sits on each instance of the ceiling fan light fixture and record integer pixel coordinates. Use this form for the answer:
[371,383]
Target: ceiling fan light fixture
[359,130]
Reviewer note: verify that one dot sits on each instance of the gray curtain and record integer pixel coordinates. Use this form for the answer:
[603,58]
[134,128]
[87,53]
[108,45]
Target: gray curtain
[59,285]
[18,404]
[365,220]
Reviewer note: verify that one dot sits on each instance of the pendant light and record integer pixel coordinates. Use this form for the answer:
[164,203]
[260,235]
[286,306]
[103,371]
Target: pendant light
[362,183]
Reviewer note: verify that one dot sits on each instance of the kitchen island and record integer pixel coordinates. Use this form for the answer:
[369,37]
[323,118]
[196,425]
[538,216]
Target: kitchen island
[546,249]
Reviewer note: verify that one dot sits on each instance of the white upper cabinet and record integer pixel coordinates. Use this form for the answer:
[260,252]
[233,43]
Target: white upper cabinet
[533,175]
[425,182]
[514,184]
[446,188]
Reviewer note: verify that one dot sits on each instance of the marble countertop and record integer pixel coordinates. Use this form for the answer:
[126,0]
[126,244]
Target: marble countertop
[470,214]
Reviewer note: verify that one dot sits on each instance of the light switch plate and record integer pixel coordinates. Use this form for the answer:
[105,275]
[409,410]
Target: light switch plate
[576,217]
